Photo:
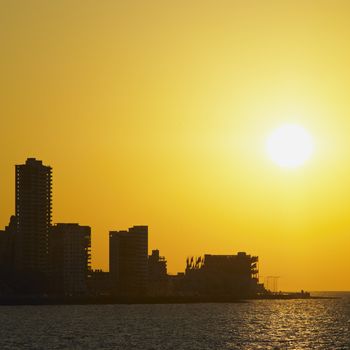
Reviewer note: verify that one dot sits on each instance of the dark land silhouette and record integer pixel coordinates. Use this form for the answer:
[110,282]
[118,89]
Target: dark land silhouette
[45,263]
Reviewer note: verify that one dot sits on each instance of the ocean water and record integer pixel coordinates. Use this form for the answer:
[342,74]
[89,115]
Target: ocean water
[261,324]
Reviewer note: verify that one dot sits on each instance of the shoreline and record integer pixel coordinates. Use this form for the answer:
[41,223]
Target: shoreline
[110,300]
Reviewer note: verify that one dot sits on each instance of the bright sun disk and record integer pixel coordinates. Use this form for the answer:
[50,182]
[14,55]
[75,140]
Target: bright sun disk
[290,146]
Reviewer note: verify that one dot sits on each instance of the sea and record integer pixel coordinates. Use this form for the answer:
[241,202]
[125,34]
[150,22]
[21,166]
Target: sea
[258,324]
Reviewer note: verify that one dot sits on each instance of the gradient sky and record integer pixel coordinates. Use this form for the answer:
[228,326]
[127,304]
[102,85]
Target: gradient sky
[157,112]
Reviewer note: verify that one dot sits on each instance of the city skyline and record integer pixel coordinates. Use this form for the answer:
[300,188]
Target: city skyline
[175,174]
[158,113]
[32,223]
[43,173]
[46,261]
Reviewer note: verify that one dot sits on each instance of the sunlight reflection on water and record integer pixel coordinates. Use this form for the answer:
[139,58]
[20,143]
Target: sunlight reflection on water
[265,324]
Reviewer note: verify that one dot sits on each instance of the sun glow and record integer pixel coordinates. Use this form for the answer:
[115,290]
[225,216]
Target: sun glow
[290,146]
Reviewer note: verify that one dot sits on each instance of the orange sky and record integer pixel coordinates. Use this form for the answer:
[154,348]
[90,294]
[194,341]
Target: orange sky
[157,113]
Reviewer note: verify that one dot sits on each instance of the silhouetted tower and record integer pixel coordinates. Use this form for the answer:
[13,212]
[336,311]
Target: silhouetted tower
[128,260]
[33,213]
[69,256]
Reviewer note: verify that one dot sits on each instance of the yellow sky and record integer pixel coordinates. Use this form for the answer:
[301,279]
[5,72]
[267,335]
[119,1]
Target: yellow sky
[157,112]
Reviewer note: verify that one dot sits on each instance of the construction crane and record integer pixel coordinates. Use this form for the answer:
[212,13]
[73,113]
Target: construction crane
[271,283]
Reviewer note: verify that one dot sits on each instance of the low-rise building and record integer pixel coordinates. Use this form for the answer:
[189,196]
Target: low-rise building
[157,274]
[222,275]
[99,283]
[7,237]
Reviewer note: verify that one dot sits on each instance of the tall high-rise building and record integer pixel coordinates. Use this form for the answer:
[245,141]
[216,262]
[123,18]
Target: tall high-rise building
[128,260]
[69,256]
[33,214]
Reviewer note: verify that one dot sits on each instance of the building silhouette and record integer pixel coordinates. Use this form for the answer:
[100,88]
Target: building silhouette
[157,274]
[7,237]
[222,275]
[33,213]
[37,258]
[69,257]
[99,283]
[157,266]
[128,261]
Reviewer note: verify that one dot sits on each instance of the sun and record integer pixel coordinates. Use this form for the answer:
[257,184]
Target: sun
[290,146]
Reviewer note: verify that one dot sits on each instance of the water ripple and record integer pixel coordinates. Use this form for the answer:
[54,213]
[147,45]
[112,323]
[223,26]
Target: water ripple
[263,324]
